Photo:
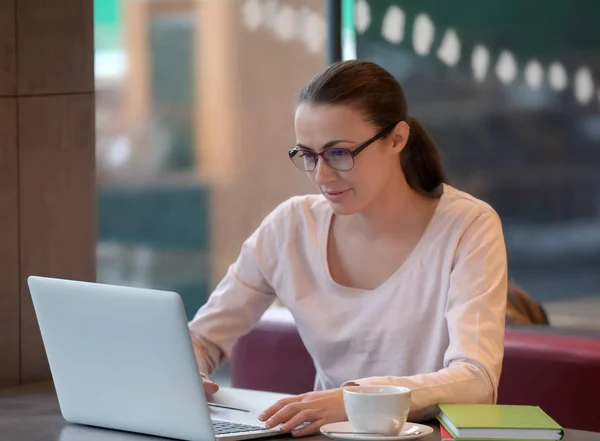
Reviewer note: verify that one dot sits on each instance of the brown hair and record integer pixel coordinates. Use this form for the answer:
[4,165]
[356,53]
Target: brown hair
[373,90]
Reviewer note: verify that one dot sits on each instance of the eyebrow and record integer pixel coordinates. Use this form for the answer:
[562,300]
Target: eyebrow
[325,147]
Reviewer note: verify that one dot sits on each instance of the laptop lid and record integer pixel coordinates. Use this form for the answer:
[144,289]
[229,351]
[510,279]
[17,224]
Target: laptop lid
[121,358]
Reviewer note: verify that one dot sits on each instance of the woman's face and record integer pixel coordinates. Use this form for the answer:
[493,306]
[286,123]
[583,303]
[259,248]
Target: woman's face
[325,129]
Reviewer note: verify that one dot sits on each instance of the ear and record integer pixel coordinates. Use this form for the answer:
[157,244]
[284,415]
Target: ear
[400,135]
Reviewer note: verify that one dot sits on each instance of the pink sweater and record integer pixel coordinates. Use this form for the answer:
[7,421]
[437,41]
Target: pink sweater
[436,325]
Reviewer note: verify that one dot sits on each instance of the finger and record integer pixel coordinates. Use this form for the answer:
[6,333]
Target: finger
[285,414]
[304,416]
[210,387]
[309,429]
[273,409]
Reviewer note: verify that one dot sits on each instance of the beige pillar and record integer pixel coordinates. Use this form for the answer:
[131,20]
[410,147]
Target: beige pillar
[253,57]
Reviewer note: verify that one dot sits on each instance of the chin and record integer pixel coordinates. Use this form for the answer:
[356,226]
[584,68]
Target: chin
[345,204]
[343,209]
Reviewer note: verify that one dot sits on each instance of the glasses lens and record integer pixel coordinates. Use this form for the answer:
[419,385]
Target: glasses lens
[303,160]
[339,159]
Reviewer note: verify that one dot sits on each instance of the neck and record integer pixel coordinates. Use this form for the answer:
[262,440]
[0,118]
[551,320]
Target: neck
[396,210]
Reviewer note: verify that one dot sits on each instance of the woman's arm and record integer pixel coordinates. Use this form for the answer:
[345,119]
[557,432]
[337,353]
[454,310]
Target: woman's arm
[242,296]
[475,314]
[231,311]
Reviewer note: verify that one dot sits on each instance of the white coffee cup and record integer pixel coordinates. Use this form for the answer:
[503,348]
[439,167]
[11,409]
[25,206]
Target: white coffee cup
[377,409]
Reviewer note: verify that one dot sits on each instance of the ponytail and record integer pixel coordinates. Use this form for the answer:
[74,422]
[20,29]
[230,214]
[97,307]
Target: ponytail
[420,160]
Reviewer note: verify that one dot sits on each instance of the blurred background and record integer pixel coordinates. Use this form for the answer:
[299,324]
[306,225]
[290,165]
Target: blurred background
[195,103]
[194,116]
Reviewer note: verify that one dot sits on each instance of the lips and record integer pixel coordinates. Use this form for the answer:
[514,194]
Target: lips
[334,195]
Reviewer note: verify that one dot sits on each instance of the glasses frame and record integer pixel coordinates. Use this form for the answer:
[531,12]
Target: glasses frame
[353,152]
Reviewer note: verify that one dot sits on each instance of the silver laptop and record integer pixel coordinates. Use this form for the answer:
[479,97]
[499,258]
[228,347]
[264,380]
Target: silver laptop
[122,358]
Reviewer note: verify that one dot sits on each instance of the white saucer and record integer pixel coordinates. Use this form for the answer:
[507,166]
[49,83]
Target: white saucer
[331,430]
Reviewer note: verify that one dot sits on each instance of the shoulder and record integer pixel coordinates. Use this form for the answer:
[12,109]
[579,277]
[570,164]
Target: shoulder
[462,209]
[294,219]
[298,210]
[473,225]
[465,222]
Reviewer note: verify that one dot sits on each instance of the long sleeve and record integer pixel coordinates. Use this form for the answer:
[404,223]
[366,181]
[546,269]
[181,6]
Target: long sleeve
[241,297]
[475,315]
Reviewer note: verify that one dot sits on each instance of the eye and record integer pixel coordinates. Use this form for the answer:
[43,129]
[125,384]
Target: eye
[297,153]
[336,153]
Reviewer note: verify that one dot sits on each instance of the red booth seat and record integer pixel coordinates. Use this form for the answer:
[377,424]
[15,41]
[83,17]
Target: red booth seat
[559,373]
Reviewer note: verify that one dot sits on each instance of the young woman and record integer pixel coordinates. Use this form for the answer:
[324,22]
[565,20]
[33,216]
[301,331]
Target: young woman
[393,276]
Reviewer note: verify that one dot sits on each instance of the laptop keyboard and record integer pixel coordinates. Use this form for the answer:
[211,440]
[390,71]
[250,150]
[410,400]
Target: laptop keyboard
[226,427]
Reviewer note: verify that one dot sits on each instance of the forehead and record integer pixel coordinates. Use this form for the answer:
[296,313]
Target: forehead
[321,123]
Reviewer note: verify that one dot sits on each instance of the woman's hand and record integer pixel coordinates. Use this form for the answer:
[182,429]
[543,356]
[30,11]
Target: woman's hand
[210,387]
[314,408]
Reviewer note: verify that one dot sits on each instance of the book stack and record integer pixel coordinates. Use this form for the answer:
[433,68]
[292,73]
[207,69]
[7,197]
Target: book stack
[497,422]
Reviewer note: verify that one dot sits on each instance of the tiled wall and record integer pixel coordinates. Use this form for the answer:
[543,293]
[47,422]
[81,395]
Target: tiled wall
[47,192]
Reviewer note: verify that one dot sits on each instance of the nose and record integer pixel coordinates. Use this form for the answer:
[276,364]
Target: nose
[323,173]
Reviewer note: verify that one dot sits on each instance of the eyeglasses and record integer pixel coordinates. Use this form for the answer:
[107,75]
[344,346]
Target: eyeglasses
[338,158]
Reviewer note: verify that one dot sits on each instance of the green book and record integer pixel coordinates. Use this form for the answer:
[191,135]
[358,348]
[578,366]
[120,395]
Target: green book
[498,421]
